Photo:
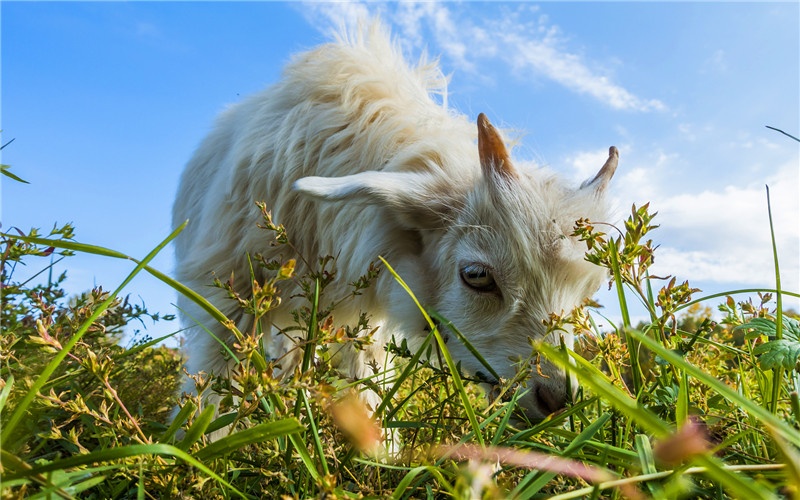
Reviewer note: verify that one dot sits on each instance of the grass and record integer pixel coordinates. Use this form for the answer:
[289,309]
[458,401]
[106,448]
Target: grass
[680,406]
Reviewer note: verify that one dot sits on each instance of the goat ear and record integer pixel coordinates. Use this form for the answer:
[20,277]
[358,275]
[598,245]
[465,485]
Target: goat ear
[601,180]
[494,156]
[418,201]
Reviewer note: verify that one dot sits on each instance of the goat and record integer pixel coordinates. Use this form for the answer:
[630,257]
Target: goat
[356,155]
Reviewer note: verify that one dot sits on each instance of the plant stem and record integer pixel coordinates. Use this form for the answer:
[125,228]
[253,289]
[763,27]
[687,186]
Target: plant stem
[777,373]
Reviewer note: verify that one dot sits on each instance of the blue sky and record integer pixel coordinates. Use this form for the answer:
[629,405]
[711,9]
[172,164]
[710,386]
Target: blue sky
[106,102]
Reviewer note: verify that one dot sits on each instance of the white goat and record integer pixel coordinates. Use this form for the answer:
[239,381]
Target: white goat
[354,156]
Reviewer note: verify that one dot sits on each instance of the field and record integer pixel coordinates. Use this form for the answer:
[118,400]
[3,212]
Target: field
[680,406]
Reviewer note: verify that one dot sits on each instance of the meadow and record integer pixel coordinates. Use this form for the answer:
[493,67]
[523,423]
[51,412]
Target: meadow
[680,406]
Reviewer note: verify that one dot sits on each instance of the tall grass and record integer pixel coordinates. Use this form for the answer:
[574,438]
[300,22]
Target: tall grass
[678,406]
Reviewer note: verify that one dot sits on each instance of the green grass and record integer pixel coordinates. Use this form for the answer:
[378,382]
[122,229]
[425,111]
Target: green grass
[680,406]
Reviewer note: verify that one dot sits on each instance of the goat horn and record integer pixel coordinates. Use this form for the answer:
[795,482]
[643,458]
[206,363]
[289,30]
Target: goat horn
[492,151]
[602,178]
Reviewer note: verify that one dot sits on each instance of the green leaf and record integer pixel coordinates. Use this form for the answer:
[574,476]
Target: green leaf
[451,365]
[682,405]
[791,328]
[22,407]
[777,353]
[645,451]
[305,457]
[256,434]
[221,421]
[403,486]
[782,353]
[781,427]
[181,418]
[4,169]
[759,326]
[6,391]
[768,327]
[117,453]
[198,428]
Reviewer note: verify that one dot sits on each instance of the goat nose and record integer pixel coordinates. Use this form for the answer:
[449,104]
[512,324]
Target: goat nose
[550,400]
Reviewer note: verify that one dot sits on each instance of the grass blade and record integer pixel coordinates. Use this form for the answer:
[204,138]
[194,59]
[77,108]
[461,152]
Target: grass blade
[682,405]
[305,457]
[11,425]
[599,383]
[314,433]
[777,372]
[5,392]
[449,324]
[781,427]
[636,371]
[536,480]
[172,283]
[646,459]
[222,421]
[618,284]
[6,170]
[178,421]
[118,453]
[402,487]
[198,428]
[256,434]
[782,132]
[446,354]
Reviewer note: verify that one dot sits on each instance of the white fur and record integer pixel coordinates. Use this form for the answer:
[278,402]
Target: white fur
[354,155]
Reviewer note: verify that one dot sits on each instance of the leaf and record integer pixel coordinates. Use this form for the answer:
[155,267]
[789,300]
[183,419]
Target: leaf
[777,353]
[782,353]
[22,407]
[14,468]
[261,432]
[645,451]
[4,169]
[182,416]
[791,328]
[768,327]
[198,428]
[759,326]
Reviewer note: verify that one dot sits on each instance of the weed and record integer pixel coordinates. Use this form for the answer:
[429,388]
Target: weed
[677,406]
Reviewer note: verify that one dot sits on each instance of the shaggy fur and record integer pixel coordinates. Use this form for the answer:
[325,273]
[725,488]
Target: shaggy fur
[354,155]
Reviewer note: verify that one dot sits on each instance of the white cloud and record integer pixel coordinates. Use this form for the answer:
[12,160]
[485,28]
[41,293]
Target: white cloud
[545,57]
[717,234]
[532,49]
[332,16]
[733,267]
[722,235]
[448,35]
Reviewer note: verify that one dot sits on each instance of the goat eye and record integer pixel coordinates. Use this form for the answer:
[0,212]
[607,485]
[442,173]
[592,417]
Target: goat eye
[478,277]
